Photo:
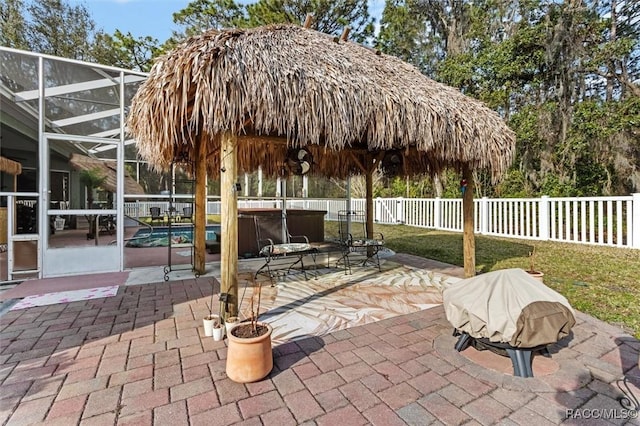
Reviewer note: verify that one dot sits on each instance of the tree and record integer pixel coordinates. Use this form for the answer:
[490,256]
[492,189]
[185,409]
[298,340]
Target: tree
[564,74]
[92,179]
[403,33]
[12,25]
[200,15]
[125,51]
[60,29]
[328,16]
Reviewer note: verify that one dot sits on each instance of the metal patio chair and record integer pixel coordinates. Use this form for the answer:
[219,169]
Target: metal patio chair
[107,224]
[354,241]
[156,214]
[281,250]
[187,213]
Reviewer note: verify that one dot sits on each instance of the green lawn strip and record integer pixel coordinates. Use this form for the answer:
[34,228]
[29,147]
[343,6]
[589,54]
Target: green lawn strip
[599,281]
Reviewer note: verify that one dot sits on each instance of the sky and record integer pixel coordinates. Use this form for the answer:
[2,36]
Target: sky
[139,17]
[151,17]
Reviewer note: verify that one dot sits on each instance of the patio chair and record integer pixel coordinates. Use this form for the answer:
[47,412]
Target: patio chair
[354,241]
[281,250]
[187,213]
[156,214]
[107,224]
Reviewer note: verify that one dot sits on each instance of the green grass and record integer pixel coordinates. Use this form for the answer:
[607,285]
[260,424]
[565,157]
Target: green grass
[603,282]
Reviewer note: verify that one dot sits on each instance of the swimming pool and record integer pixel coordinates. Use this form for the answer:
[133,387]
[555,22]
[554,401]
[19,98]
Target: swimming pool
[160,236]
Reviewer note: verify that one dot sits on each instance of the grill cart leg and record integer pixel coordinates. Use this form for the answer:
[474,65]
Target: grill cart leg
[463,342]
[521,360]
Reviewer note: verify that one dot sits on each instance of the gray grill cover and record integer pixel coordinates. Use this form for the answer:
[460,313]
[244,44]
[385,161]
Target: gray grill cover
[508,306]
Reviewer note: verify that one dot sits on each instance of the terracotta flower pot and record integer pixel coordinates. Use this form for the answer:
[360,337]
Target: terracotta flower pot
[249,359]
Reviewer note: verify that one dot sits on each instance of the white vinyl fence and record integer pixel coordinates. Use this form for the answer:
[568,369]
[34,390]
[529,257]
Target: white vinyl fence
[611,221]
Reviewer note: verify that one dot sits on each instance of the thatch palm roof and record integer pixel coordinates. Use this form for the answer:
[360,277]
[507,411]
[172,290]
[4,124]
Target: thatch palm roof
[10,166]
[106,168]
[283,86]
[235,100]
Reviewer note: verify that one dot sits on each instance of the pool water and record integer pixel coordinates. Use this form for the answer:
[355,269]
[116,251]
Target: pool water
[160,236]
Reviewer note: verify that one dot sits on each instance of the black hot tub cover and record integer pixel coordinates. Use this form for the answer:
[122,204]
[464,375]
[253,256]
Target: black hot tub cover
[508,306]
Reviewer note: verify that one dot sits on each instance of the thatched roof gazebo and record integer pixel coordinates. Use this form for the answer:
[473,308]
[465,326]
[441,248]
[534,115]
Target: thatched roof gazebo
[107,168]
[234,100]
[9,166]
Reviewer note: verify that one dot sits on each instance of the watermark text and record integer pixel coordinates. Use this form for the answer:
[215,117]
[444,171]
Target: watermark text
[601,413]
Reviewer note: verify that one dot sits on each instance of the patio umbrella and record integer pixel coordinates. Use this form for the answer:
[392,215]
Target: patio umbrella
[237,99]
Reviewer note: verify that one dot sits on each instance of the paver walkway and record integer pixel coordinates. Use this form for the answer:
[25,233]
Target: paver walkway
[140,358]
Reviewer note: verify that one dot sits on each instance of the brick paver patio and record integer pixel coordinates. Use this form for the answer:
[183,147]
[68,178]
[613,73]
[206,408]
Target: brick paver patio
[140,358]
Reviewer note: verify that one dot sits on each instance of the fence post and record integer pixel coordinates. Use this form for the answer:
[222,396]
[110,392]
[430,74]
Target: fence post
[399,210]
[484,215]
[436,213]
[635,220]
[543,218]
[305,186]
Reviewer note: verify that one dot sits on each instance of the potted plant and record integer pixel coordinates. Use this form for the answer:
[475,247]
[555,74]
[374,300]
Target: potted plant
[532,270]
[217,331]
[249,353]
[230,323]
[209,322]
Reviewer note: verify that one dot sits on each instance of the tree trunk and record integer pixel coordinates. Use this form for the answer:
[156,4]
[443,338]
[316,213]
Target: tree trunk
[612,64]
[437,185]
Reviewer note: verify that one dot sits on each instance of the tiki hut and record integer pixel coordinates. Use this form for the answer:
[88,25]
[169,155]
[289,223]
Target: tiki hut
[11,167]
[107,168]
[234,100]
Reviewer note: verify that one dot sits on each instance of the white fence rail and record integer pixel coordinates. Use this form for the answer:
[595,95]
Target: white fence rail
[610,221]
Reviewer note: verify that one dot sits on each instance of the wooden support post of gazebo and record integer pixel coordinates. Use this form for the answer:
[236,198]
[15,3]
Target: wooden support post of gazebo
[371,166]
[468,236]
[200,211]
[229,220]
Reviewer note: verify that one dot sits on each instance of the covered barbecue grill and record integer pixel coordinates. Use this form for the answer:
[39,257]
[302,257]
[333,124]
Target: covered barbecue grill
[510,311]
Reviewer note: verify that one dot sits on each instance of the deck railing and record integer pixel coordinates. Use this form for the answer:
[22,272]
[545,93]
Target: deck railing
[610,221]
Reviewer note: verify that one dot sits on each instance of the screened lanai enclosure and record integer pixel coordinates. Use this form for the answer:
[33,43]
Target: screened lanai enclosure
[55,110]
[69,174]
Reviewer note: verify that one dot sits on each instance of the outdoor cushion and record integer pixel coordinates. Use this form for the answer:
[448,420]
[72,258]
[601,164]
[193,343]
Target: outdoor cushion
[282,249]
[366,243]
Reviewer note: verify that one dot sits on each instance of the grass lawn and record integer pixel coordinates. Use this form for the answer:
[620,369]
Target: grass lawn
[603,282]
